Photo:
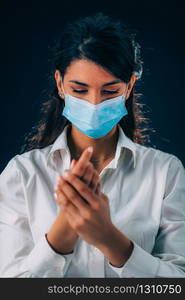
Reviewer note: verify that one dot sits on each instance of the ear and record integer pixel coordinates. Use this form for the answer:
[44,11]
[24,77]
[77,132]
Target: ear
[59,82]
[130,85]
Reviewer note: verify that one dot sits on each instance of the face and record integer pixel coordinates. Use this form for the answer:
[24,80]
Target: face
[89,81]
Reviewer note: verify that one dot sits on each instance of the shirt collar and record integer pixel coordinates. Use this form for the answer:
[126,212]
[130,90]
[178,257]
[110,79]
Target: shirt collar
[59,145]
[123,142]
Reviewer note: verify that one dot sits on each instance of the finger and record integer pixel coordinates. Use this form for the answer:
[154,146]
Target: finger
[88,175]
[73,196]
[94,181]
[73,163]
[81,164]
[60,176]
[61,181]
[60,197]
[82,189]
[98,189]
[71,208]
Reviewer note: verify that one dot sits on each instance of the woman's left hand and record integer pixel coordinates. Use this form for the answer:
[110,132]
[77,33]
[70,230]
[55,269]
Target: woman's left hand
[91,218]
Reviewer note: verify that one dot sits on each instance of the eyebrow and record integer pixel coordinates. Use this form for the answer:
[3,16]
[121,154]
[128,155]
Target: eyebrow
[105,84]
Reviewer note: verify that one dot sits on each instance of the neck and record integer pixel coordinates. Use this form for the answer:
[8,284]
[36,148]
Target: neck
[104,148]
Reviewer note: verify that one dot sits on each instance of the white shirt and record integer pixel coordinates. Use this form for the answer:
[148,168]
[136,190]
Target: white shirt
[146,191]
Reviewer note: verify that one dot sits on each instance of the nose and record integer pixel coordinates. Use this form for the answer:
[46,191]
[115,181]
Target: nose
[94,97]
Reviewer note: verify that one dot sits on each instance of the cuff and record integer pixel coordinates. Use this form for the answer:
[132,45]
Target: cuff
[43,261]
[139,265]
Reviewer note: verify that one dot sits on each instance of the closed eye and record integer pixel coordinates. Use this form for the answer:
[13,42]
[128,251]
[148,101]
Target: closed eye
[105,92]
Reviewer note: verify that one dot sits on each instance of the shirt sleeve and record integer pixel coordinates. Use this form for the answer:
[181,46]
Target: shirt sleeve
[168,255]
[20,256]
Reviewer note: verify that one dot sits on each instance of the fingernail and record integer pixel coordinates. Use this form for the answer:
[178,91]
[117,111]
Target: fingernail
[58,177]
[90,149]
[65,174]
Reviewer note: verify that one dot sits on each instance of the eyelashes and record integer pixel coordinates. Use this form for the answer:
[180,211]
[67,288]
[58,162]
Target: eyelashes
[105,92]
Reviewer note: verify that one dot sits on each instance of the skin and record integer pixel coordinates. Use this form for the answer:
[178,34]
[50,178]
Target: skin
[62,237]
[95,76]
[89,219]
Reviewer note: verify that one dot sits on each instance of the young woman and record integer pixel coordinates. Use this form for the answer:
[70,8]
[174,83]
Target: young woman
[87,197]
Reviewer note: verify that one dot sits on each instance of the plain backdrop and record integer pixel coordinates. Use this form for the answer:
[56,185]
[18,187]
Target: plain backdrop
[29,30]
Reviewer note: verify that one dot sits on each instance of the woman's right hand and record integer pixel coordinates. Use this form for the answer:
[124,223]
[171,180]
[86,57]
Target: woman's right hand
[90,176]
[61,236]
[84,169]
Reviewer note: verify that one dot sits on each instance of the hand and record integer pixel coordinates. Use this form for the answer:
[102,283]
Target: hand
[92,222]
[61,236]
[85,170]
[90,177]
[91,219]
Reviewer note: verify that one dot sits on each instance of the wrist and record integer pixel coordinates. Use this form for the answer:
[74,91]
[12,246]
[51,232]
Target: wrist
[62,224]
[62,251]
[117,249]
[61,245]
[61,237]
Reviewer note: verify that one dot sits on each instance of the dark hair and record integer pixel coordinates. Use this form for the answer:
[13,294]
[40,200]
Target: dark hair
[105,41]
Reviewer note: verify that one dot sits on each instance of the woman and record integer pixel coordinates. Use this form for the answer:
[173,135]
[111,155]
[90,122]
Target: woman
[119,208]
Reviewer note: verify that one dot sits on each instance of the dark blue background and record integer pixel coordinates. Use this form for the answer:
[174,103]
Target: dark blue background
[29,30]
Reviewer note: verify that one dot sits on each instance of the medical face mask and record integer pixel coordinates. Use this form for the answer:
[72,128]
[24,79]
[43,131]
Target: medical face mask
[94,120]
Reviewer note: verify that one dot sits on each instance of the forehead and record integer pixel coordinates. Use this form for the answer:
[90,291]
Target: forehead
[89,72]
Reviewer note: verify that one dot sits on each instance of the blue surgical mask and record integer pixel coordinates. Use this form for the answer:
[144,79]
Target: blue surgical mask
[94,120]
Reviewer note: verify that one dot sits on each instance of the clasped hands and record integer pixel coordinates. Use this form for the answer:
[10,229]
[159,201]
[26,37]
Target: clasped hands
[81,200]
[85,213]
